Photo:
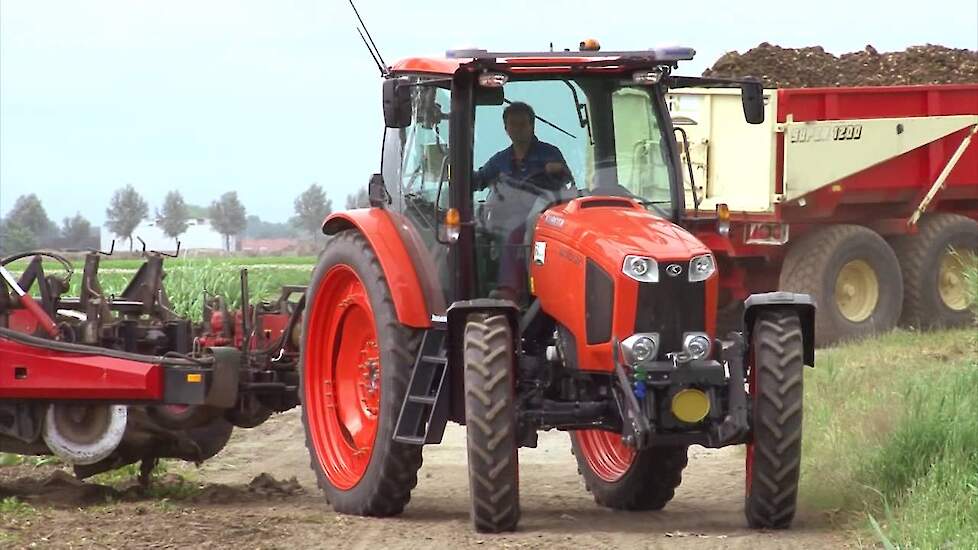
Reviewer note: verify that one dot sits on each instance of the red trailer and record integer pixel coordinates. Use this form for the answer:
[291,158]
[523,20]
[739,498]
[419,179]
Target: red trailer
[865,198]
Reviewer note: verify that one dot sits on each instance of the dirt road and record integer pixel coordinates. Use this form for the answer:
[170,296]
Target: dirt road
[557,512]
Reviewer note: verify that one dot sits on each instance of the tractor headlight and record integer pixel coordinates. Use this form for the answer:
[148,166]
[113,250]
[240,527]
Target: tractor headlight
[696,345]
[639,348]
[701,267]
[642,269]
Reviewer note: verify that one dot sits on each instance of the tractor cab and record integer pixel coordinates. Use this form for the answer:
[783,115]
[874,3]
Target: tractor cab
[594,125]
[522,268]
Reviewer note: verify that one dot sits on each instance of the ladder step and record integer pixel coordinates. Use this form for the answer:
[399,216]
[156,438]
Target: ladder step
[409,439]
[423,399]
[434,359]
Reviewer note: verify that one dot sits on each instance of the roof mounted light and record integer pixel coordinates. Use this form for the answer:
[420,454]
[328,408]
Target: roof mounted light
[493,80]
[651,76]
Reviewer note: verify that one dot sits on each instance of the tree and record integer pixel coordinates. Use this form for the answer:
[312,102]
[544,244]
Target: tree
[75,231]
[311,208]
[28,214]
[125,211]
[173,218]
[228,216]
[15,238]
[360,199]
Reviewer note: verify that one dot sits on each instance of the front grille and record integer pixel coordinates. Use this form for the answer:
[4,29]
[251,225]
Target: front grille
[671,307]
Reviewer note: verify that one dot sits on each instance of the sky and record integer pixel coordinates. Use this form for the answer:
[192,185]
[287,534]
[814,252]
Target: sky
[268,97]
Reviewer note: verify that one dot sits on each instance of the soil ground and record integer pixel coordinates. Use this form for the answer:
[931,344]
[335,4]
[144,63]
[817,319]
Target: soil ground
[231,504]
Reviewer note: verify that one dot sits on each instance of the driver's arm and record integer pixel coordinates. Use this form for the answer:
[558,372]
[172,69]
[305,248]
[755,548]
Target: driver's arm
[489,171]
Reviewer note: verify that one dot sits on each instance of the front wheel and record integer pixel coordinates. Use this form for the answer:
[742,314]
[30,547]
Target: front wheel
[622,478]
[356,362]
[774,454]
[490,418]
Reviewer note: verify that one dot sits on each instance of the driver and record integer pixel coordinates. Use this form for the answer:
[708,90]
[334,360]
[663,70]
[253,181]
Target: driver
[526,159]
[527,155]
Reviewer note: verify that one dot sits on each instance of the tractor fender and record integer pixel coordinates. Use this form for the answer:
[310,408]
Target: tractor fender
[803,304]
[397,247]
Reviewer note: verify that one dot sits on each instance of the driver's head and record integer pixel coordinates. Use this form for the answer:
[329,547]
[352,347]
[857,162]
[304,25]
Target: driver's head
[518,120]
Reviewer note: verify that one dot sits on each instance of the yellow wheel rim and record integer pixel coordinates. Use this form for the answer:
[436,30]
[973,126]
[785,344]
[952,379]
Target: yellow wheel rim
[951,284]
[857,291]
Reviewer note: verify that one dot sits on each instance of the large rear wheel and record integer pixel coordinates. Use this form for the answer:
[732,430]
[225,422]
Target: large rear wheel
[622,478]
[933,261]
[854,277]
[774,454]
[356,363]
[490,418]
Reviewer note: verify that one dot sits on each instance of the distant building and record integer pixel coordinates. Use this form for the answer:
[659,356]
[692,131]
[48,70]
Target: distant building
[268,246]
[198,236]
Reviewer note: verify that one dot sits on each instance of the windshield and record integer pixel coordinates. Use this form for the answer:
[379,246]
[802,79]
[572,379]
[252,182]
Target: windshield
[603,132]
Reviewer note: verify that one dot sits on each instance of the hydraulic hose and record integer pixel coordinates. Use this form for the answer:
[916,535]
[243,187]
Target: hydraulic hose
[66,347]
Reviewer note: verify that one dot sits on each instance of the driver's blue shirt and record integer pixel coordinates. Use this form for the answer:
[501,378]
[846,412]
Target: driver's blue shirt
[535,161]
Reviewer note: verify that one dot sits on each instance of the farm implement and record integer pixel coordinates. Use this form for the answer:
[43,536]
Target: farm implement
[491,293]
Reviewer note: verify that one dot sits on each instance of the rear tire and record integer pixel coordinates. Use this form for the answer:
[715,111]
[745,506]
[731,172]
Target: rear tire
[776,389]
[490,418]
[622,479]
[935,292]
[854,277]
[350,314]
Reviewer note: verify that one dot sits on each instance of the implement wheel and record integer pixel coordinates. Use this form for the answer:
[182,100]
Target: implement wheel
[854,277]
[774,455]
[490,418]
[356,363]
[936,292]
[622,478]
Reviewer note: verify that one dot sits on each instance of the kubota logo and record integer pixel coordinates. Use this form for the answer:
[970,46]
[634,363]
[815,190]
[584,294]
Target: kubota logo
[674,270]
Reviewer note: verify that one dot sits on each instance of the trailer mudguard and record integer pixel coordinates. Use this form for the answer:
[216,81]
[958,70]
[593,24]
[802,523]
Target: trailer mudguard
[411,298]
[803,304]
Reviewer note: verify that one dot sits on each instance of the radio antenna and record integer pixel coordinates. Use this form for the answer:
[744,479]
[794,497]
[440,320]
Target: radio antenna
[368,41]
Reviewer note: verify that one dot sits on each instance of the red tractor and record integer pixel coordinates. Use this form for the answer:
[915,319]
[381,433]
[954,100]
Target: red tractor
[521,269]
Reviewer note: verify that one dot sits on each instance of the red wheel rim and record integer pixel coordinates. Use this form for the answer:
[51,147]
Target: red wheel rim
[342,377]
[605,454]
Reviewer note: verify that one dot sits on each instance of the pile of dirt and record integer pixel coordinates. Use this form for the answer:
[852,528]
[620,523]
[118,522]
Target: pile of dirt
[814,67]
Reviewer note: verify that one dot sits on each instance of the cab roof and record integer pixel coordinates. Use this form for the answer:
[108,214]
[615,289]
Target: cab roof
[542,61]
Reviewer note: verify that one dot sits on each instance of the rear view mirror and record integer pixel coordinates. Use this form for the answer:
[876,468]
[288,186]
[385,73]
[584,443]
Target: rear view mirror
[397,103]
[488,96]
[752,96]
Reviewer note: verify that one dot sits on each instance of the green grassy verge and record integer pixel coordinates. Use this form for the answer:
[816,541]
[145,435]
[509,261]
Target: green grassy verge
[891,438]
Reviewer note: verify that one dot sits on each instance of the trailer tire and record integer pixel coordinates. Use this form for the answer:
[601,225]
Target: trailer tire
[854,277]
[350,314]
[776,388]
[490,424]
[935,293]
[647,482]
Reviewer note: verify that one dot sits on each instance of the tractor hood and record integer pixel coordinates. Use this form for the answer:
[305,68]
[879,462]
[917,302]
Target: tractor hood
[606,229]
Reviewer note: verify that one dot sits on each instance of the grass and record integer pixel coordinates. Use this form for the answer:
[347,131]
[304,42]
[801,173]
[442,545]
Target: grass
[11,506]
[165,484]
[891,438]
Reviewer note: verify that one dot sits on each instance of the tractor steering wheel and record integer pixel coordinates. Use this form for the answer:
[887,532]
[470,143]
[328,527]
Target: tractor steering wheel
[65,264]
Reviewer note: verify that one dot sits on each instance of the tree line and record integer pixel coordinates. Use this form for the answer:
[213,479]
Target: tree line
[27,225]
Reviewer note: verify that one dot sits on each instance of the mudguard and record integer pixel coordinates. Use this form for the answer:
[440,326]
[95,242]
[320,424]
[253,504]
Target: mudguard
[413,300]
[803,304]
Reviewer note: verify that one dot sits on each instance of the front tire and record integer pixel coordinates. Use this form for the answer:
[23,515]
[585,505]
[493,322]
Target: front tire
[622,478]
[776,390]
[354,372]
[490,418]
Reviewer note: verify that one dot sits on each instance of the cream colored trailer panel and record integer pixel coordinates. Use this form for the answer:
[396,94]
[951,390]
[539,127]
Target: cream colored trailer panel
[733,162]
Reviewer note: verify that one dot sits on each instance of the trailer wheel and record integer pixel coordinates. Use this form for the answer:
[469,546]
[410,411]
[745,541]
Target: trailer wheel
[776,390]
[622,478]
[490,418]
[854,277]
[355,365]
[933,262]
